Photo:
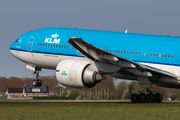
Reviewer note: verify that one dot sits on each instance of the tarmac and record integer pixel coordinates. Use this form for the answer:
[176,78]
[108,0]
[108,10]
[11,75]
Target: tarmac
[82,101]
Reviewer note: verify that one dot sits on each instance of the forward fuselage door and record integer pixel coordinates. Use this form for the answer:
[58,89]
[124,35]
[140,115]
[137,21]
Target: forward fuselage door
[30,43]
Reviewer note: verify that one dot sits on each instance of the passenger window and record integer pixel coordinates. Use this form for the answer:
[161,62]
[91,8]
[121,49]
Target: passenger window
[159,55]
[67,47]
[156,55]
[46,45]
[51,45]
[124,52]
[147,54]
[121,51]
[130,52]
[153,54]
[118,51]
[162,55]
[150,54]
[107,50]
[165,55]
[144,54]
[38,44]
[64,46]
[43,44]
[115,51]
[133,53]
[171,56]
[56,45]
[127,52]
[168,56]
[138,53]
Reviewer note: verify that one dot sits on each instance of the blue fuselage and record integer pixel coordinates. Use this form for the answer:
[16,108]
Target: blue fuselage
[136,47]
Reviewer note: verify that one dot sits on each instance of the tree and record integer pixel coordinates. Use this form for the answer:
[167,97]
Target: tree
[74,93]
[14,82]
[120,89]
[58,90]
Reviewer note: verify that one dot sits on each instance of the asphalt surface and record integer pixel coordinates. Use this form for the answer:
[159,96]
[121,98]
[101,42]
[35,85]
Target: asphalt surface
[78,102]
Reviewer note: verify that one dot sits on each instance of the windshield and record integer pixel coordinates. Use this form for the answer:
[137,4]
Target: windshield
[16,40]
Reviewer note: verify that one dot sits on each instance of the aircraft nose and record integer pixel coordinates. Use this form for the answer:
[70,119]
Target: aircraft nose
[12,52]
[11,49]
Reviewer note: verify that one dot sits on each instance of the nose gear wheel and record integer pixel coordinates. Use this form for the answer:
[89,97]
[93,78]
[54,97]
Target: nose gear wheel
[37,81]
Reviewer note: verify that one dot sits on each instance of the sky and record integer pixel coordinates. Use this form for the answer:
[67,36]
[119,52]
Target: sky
[159,17]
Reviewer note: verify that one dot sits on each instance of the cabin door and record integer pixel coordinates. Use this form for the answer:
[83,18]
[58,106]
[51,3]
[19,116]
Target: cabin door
[30,43]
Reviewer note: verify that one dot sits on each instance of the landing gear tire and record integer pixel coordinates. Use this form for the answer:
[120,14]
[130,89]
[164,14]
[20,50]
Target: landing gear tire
[39,82]
[142,98]
[34,82]
[134,98]
[150,98]
[158,98]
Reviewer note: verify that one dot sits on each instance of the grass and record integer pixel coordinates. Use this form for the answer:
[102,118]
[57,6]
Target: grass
[89,111]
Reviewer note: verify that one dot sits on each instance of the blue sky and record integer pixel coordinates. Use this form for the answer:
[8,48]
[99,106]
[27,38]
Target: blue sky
[160,17]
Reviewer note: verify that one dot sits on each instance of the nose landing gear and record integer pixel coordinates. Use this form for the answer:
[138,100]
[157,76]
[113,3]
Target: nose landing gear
[37,81]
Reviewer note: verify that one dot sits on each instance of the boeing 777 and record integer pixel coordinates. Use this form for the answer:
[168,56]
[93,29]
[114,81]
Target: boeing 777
[82,58]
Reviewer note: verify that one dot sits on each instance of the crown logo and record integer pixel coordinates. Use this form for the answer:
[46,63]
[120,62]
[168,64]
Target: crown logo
[54,35]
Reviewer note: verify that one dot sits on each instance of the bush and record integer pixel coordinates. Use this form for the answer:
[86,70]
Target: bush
[74,93]
[53,98]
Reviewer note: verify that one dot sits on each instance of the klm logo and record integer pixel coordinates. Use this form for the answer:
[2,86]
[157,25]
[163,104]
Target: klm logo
[54,35]
[64,73]
[54,39]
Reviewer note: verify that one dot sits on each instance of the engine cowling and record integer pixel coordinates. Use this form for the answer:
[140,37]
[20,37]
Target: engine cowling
[167,81]
[77,73]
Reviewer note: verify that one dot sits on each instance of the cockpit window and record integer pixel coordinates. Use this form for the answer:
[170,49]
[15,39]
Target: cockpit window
[16,40]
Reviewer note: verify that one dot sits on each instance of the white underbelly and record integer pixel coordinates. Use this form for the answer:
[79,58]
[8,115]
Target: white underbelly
[48,61]
[169,68]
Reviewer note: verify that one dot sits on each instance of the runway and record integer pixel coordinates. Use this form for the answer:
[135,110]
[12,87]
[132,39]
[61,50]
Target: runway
[80,102]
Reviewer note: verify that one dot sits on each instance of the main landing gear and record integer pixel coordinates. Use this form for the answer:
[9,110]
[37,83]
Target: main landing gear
[149,97]
[37,81]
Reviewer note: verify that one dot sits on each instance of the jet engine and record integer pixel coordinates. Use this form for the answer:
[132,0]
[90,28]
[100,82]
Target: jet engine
[77,73]
[167,81]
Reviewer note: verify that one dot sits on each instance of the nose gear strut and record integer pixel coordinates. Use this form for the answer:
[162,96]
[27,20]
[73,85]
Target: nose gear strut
[37,81]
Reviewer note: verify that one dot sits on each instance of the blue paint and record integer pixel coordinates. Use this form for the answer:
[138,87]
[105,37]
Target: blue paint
[130,42]
[64,73]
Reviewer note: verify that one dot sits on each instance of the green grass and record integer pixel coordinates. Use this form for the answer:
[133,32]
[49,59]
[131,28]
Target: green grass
[89,111]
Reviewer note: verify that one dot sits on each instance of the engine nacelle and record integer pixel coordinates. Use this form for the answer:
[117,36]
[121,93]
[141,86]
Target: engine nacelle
[77,73]
[167,81]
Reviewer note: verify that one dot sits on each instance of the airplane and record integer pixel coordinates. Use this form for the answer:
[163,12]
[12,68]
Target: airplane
[83,57]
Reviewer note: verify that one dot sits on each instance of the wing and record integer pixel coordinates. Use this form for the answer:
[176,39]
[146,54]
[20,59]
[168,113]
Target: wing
[97,54]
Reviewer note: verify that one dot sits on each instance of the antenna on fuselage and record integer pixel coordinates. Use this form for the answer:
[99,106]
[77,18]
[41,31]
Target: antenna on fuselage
[126,31]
